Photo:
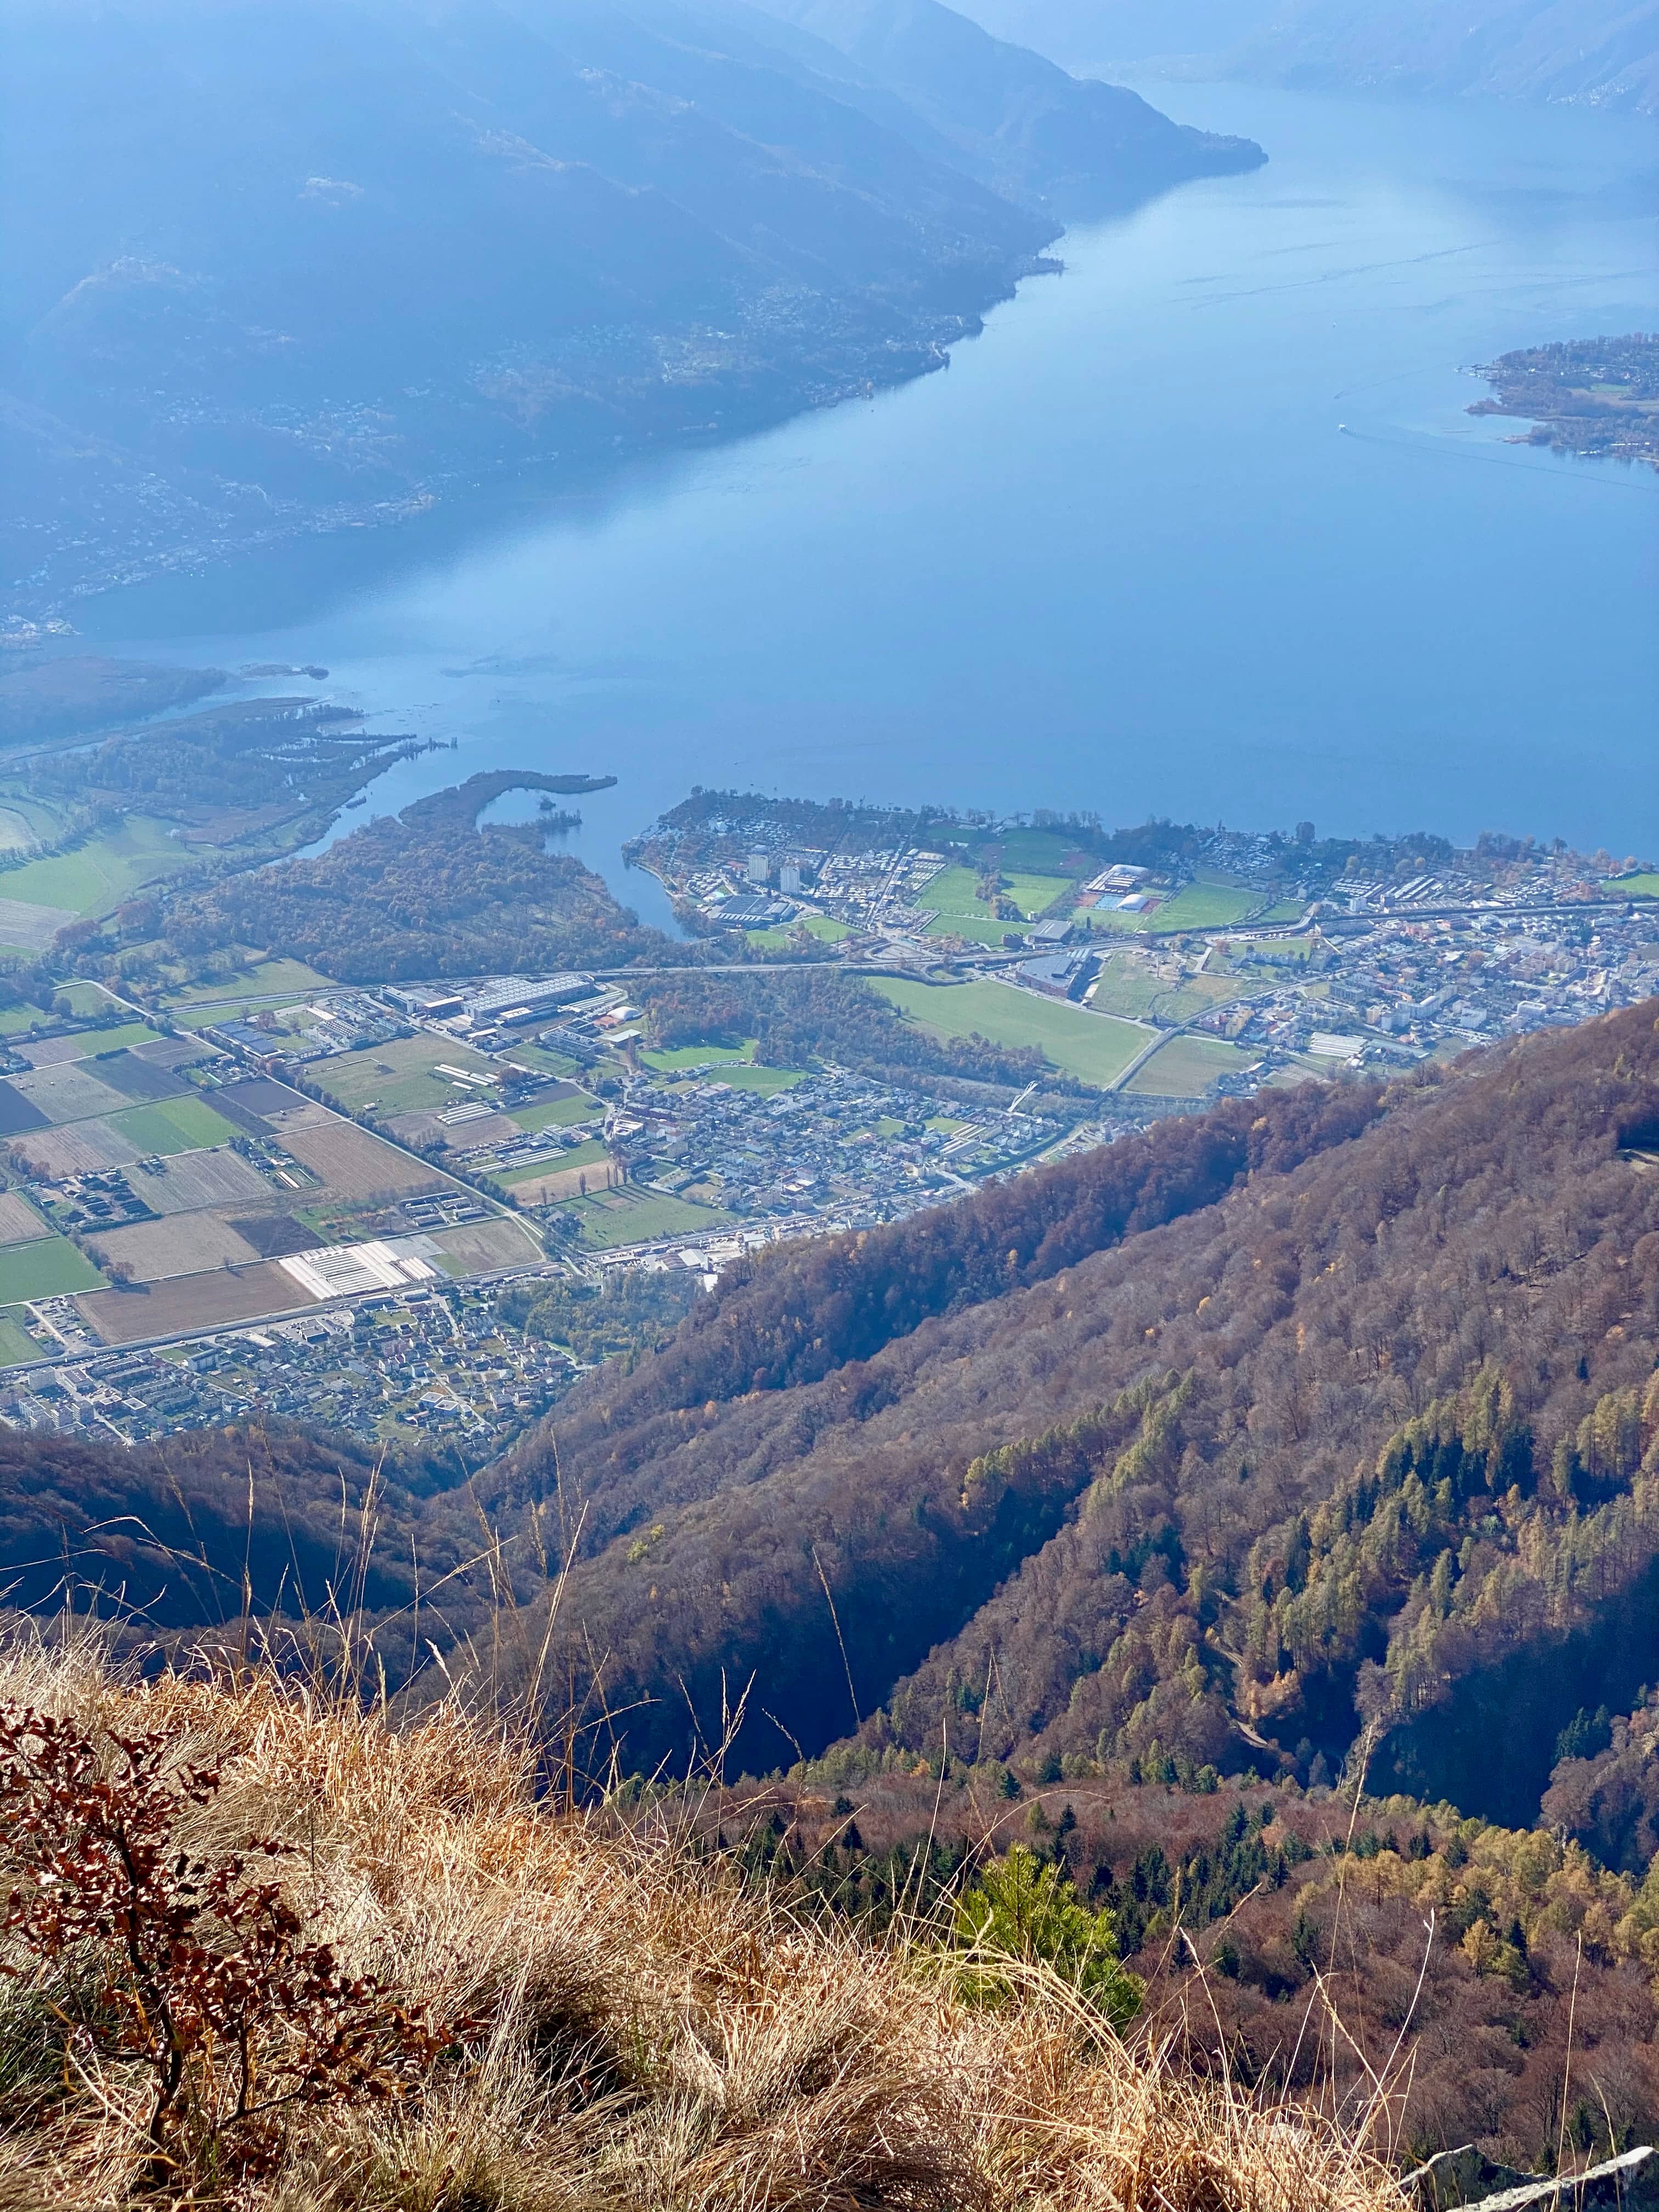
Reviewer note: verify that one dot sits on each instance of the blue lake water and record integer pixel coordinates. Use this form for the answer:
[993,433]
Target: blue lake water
[1120,556]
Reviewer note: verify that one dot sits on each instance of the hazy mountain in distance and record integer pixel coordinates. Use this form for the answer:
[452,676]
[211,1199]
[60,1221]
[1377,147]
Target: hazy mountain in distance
[1007,114]
[270,265]
[1599,53]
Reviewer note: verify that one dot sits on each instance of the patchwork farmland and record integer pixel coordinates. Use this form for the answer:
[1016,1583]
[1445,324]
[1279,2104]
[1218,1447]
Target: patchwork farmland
[158,1190]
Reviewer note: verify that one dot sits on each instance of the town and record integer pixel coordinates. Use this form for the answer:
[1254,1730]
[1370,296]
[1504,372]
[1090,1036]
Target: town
[417,1212]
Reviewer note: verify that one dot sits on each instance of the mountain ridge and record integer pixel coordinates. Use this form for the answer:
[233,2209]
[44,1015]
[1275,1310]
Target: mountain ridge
[1605,54]
[274,269]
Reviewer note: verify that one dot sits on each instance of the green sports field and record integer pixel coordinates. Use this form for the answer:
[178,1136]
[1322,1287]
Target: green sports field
[961,913]
[1095,1048]
[682,1057]
[1200,906]
[641,1216]
[45,1269]
[765,1080]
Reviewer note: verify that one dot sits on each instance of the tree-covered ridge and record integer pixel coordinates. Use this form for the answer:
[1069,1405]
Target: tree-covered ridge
[801,1316]
[806,1442]
[1461,1543]
[427,892]
[1470,1954]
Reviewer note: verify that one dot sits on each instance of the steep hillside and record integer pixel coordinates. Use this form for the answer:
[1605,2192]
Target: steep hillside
[267,268]
[1010,116]
[1235,1459]
[1595,53]
[361,1966]
[1536,1973]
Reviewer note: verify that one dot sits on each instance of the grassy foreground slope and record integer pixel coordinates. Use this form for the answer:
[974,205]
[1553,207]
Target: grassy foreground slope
[520,2009]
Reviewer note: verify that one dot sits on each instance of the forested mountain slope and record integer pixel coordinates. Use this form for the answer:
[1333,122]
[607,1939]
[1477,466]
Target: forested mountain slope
[1223,1473]
[1600,53]
[1328,1415]
[1010,116]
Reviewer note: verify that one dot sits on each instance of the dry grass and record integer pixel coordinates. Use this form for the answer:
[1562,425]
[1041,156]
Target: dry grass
[656,2037]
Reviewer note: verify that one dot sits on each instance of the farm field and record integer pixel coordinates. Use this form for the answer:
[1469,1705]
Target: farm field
[192,1301]
[546,1062]
[69,1093]
[19,1222]
[102,872]
[188,1179]
[26,927]
[546,1185]
[264,980]
[44,1269]
[556,1113]
[86,1148]
[1187,1065]
[479,1247]
[86,1000]
[353,1164]
[1094,1047]
[98,1044]
[1043,851]
[1128,987]
[88,1044]
[15,1342]
[183,1244]
[172,1125]
[580,1158]
[401,1077]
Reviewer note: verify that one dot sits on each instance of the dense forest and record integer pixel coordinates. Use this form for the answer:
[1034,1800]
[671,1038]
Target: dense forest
[1172,1451]
[260,760]
[1280,1900]
[1124,1508]
[819,1013]
[430,891]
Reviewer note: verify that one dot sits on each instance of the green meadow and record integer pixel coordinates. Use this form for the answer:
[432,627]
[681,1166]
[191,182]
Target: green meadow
[45,1269]
[1094,1047]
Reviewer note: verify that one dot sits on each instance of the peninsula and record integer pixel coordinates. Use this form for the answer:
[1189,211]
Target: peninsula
[1597,397]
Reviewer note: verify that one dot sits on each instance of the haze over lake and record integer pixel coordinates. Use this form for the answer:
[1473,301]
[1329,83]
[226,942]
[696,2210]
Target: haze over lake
[1200,528]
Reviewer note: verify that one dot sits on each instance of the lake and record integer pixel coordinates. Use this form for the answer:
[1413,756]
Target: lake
[1200,528]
